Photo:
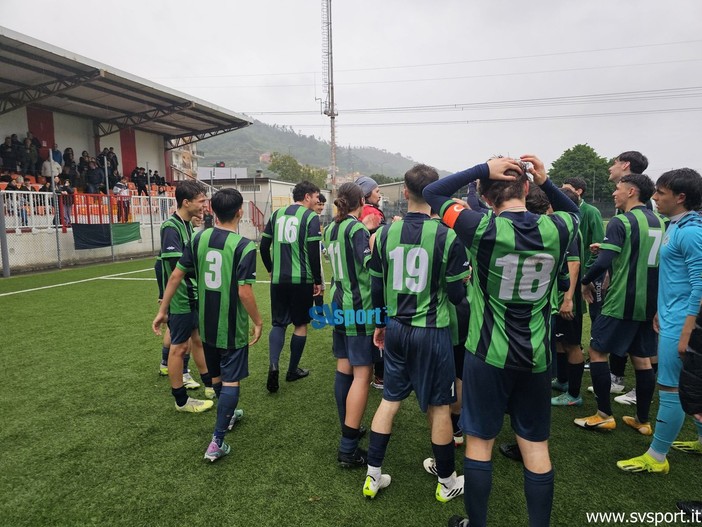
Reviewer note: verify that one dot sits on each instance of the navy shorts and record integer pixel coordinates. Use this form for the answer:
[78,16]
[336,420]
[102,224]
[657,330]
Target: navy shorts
[490,392]
[419,359]
[182,326]
[459,353]
[230,365]
[291,303]
[622,337]
[569,331]
[357,349]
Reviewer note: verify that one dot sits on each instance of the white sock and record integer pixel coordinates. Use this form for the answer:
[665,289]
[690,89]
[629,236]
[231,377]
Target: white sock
[374,472]
[656,455]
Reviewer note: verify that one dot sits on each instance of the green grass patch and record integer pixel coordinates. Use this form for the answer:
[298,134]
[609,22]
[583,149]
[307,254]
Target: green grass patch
[90,437]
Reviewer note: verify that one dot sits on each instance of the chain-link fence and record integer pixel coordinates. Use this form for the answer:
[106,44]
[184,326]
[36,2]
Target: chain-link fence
[37,228]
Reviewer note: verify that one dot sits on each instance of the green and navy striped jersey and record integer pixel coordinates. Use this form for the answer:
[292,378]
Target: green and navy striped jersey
[573,254]
[636,237]
[516,257]
[222,261]
[290,229]
[349,251]
[176,235]
[416,257]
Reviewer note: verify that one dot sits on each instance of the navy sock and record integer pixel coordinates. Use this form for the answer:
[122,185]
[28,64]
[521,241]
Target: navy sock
[601,382]
[538,489]
[186,361]
[276,338]
[164,354]
[342,385]
[206,379]
[455,418]
[377,445]
[617,364]
[181,395]
[349,439]
[477,486]
[217,388]
[562,367]
[228,399]
[645,386]
[297,346]
[444,456]
[575,378]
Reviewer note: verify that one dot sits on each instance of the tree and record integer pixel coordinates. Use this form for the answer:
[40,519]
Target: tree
[289,169]
[584,162]
[382,179]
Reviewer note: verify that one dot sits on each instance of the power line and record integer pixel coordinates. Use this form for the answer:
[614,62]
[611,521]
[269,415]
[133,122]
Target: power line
[626,96]
[460,77]
[452,63]
[509,119]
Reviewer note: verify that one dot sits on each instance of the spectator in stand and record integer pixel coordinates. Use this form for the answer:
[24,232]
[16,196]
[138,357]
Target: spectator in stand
[93,178]
[69,161]
[8,152]
[163,203]
[50,168]
[17,205]
[112,160]
[66,192]
[83,163]
[56,154]
[16,142]
[28,155]
[46,187]
[159,180]
[141,182]
[121,190]
[36,142]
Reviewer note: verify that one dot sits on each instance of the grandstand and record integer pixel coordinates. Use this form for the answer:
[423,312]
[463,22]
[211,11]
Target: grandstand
[74,102]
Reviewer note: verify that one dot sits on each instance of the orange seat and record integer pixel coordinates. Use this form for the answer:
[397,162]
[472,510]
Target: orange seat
[131,186]
[30,179]
[3,185]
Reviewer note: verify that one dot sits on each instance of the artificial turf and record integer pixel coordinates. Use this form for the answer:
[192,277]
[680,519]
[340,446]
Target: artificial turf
[89,434]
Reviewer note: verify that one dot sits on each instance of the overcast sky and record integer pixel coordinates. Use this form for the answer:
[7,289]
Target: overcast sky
[266,56]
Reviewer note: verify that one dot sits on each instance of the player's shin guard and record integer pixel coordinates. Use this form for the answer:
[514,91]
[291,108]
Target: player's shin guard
[276,339]
[444,456]
[645,385]
[297,346]
[575,378]
[342,385]
[601,383]
[228,400]
[669,421]
[377,446]
[478,484]
[538,489]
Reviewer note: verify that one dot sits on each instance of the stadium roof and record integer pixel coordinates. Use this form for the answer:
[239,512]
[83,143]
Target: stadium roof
[38,74]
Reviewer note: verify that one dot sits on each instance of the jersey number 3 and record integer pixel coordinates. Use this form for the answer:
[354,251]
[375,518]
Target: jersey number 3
[213,275]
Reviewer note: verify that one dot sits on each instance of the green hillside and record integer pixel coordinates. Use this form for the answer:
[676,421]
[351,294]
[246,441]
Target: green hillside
[243,148]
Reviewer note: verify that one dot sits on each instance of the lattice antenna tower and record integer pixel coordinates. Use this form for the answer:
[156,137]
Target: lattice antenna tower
[329,108]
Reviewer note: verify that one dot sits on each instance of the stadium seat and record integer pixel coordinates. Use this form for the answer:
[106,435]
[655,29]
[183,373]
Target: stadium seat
[3,185]
[30,179]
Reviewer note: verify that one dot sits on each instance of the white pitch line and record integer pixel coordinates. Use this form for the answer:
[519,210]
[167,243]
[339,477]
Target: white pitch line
[128,279]
[72,283]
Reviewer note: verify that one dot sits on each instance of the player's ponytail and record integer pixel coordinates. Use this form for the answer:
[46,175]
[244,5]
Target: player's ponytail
[349,197]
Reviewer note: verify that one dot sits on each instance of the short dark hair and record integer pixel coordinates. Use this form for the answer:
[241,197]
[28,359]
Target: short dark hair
[537,200]
[638,163]
[417,178]
[572,195]
[302,189]
[499,191]
[226,203]
[322,198]
[349,197]
[188,189]
[643,183]
[684,181]
[577,182]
